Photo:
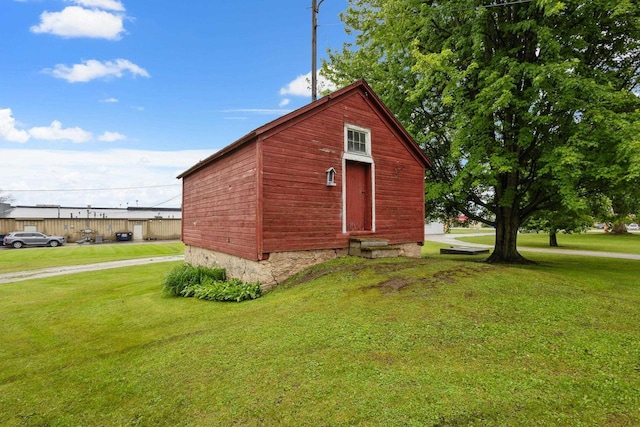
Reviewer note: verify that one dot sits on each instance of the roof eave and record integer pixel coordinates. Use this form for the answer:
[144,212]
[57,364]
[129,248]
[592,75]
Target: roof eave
[305,109]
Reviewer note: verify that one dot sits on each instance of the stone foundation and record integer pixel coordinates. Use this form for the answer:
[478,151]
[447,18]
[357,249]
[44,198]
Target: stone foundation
[270,273]
[280,265]
[410,250]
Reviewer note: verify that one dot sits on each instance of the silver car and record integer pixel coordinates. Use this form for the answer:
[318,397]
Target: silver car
[19,239]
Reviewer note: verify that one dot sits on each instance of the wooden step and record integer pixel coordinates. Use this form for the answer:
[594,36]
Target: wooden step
[463,250]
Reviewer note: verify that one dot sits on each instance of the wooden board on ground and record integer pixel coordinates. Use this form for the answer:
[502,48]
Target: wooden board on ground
[461,250]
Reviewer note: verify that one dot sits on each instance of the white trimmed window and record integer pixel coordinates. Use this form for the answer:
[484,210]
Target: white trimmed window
[357,141]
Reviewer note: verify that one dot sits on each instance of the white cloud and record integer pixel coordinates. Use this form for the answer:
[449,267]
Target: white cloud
[94,69]
[8,130]
[75,21]
[55,132]
[65,172]
[110,100]
[301,85]
[111,137]
[101,4]
[284,102]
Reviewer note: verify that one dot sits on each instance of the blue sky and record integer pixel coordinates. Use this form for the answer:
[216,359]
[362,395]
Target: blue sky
[104,102]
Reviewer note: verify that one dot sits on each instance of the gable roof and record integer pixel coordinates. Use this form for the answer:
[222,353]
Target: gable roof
[360,85]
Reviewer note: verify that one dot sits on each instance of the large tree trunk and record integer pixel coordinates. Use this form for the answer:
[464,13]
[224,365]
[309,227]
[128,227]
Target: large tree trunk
[619,228]
[505,249]
[553,238]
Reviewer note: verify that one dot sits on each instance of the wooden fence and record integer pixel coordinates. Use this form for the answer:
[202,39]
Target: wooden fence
[75,229]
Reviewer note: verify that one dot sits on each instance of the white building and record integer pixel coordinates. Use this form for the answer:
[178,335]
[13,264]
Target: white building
[86,212]
[434,228]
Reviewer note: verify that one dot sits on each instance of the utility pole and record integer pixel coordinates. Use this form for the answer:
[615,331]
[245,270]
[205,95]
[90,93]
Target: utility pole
[315,8]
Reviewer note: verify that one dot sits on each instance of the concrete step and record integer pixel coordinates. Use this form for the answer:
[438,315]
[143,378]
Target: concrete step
[362,242]
[372,248]
[380,252]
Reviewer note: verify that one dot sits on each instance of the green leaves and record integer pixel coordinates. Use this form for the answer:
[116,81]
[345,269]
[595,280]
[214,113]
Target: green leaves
[516,103]
[187,275]
[551,7]
[210,284]
[218,290]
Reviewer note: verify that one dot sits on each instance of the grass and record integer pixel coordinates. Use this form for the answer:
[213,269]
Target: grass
[12,260]
[625,243]
[438,341]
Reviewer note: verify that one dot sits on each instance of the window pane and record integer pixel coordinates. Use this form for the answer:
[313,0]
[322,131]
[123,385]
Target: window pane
[356,141]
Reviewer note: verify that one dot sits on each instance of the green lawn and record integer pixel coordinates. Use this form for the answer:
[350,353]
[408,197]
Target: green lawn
[12,260]
[606,242]
[439,341]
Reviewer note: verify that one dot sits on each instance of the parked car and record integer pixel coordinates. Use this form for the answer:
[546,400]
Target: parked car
[18,239]
[633,227]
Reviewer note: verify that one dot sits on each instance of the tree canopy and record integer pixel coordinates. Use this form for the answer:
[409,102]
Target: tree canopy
[521,105]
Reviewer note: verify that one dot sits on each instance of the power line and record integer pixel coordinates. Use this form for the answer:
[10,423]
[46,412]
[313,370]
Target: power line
[89,189]
[506,4]
[166,201]
[511,3]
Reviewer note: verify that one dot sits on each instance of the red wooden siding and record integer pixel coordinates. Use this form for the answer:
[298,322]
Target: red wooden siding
[219,205]
[300,212]
[267,191]
[399,185]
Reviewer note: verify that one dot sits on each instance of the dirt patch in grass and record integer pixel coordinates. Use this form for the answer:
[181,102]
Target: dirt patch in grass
[397,268]
[450,276]
[319,271]
[396,284]
[386,266]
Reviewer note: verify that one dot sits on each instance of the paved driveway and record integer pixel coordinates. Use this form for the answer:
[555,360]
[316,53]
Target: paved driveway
[58,271]
[452,239]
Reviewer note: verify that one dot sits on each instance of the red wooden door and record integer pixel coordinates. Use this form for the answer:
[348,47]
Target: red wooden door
[358,182]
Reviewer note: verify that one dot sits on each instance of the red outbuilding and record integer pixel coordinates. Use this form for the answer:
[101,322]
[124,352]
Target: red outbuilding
[304,188]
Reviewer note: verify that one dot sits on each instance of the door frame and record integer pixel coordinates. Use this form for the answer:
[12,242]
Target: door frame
[138,232]
[347,157]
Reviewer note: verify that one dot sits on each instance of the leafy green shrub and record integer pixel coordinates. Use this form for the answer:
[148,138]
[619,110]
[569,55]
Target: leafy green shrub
[228,290]
[208,284]
[187,275]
